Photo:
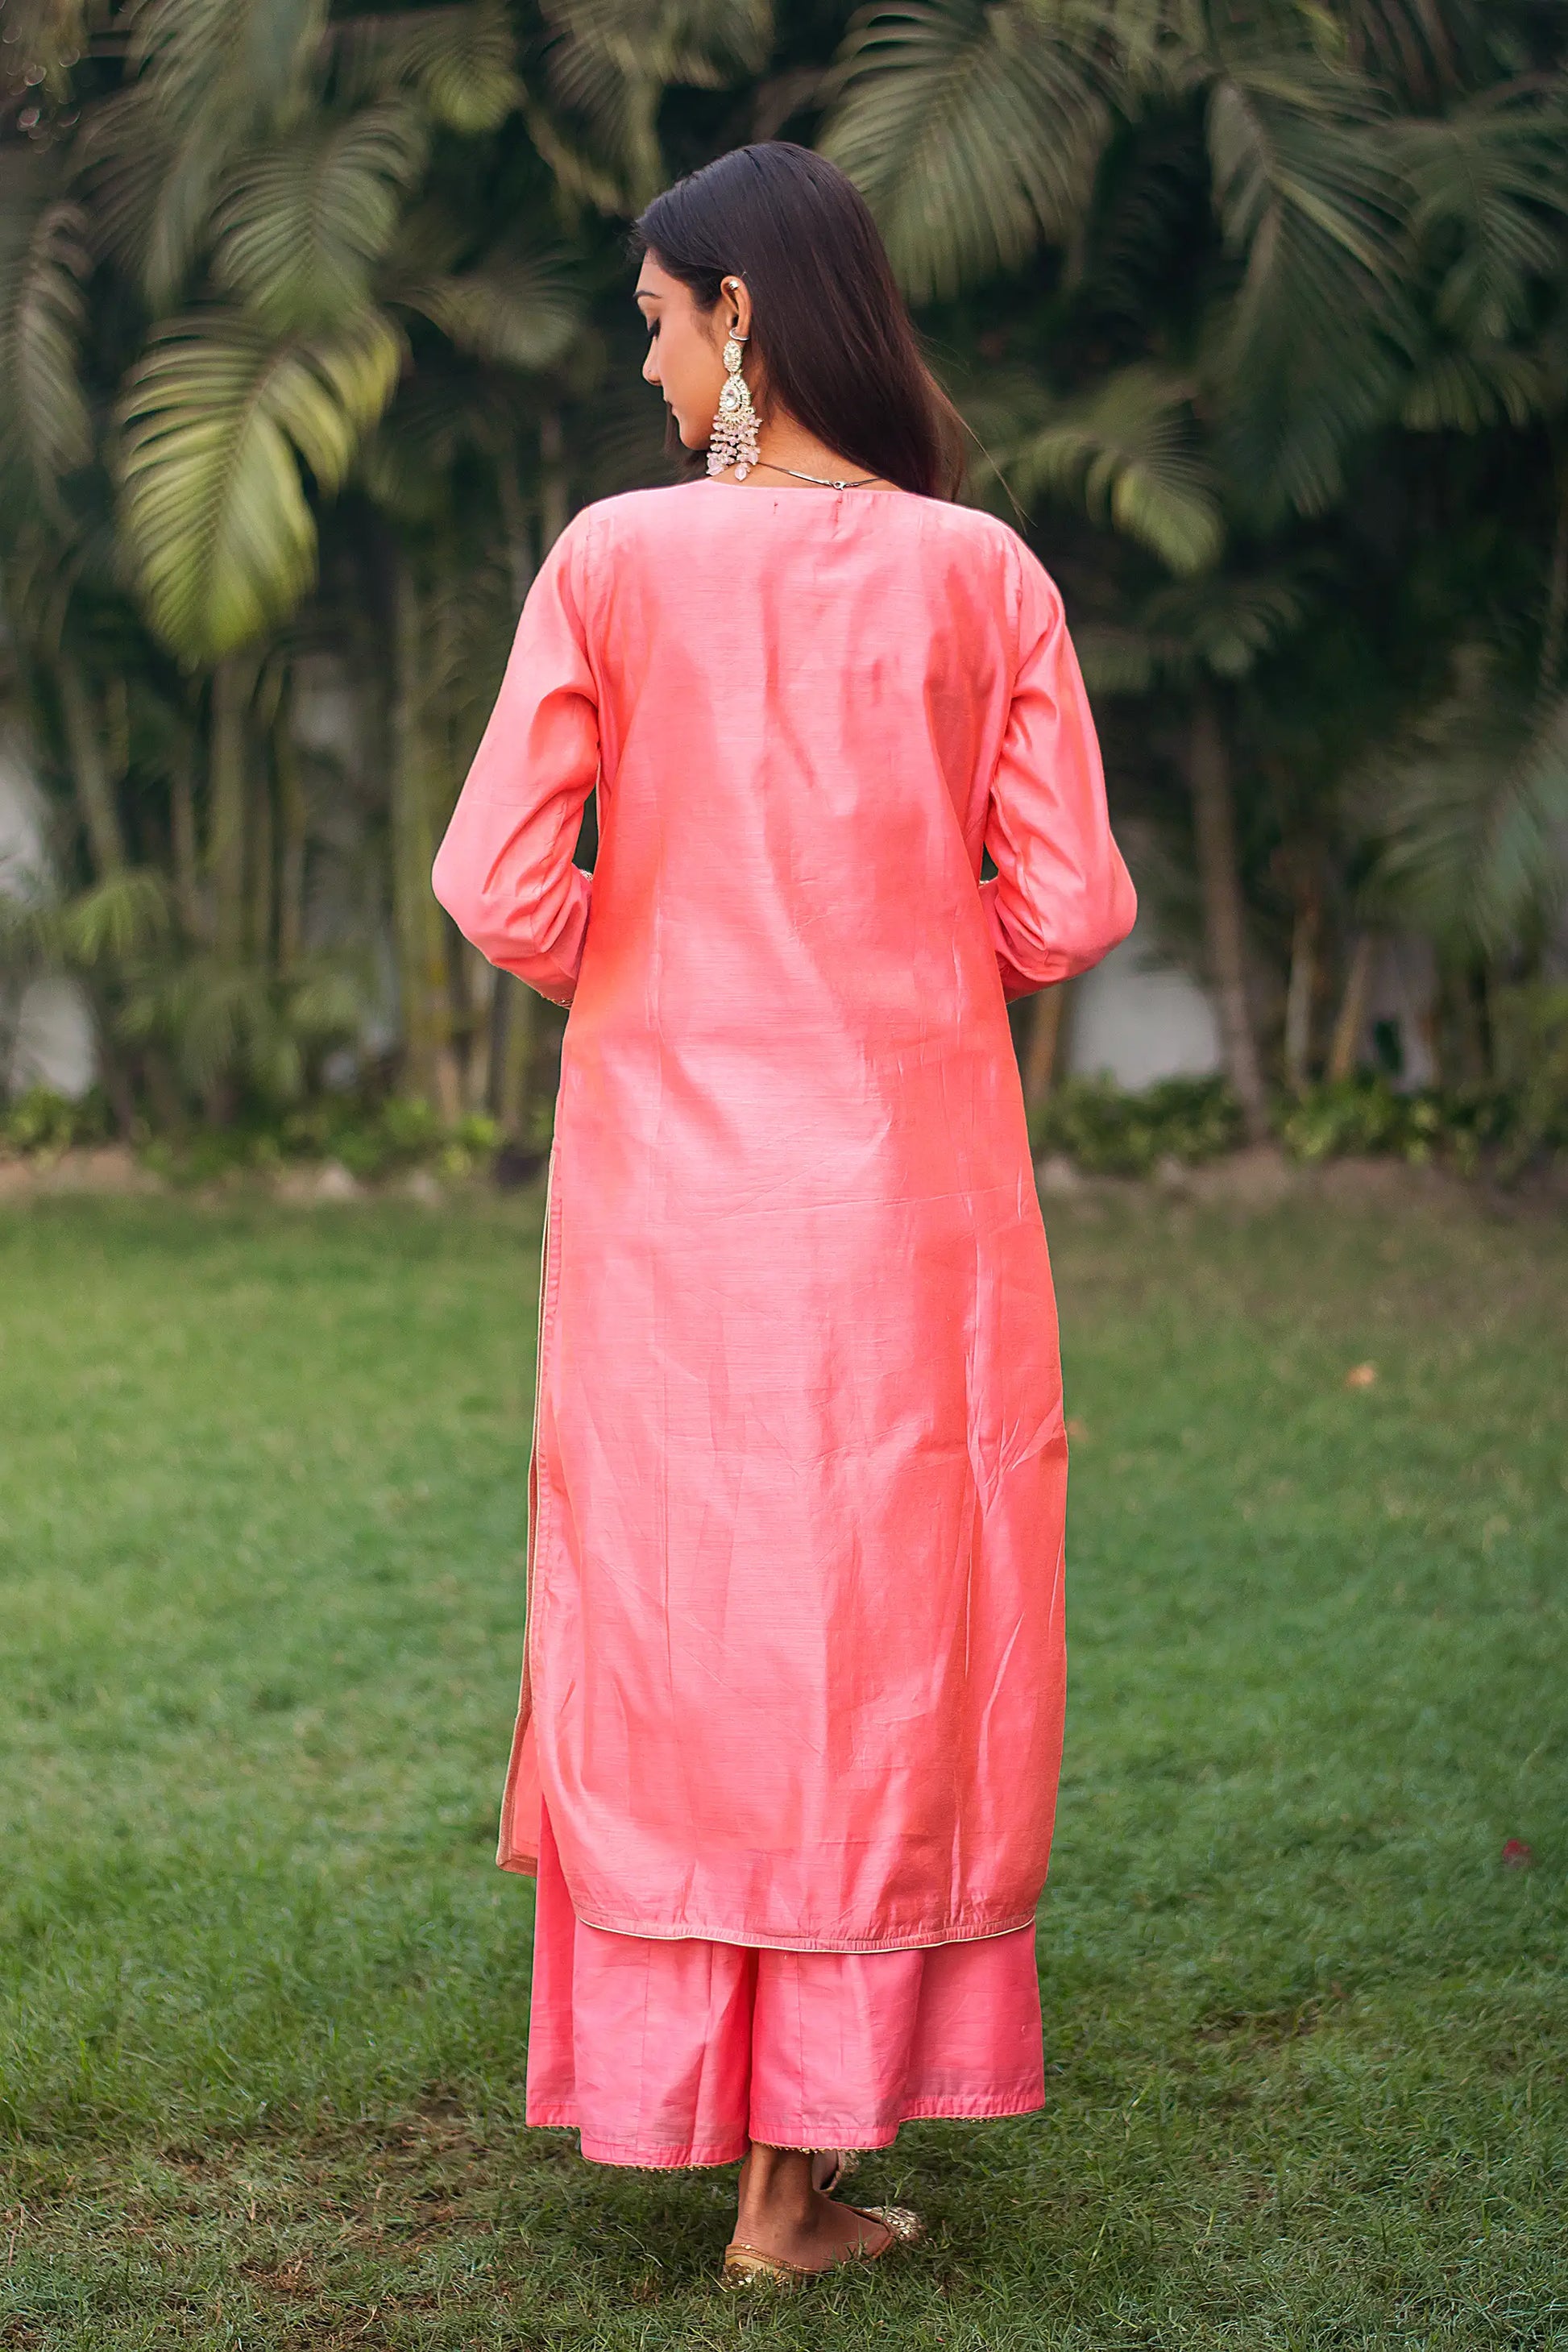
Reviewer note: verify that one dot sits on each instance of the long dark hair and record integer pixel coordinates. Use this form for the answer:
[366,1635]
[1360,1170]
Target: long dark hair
[829,323]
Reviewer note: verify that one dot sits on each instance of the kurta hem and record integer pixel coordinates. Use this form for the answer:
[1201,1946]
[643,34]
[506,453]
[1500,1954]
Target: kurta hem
[898,1942]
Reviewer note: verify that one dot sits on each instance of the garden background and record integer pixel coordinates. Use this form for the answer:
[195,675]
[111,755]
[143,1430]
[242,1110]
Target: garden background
[314,330]
[315,327]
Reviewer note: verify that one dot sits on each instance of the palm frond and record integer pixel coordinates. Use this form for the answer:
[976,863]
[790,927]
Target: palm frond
[120,917]
[1216,624]
[1421,49]
[1472,808]
[1127,456]
[471,618]
[1466,391]
[704,44]
[617,440]
[404,463]
[221,1019]
[520,310]
[45,427]
[461,60]
[608,63]
[123,154]
[244,56]
[302,221]
[1151,228]
[1224,625]
[432,240]
[1307,352]
[204,76]
[235,1020]
[326,1002]
[576,162]
[971,130]
[1490,199]
[215,418]
[1116,660]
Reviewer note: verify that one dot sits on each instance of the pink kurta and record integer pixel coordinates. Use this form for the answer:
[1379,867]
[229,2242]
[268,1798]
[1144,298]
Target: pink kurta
[794,1655]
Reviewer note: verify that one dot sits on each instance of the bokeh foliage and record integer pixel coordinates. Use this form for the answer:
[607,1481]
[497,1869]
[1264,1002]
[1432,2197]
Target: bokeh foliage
[314,328]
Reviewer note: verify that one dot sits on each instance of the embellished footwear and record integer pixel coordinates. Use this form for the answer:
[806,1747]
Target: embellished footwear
[845,2160]
[749,2266]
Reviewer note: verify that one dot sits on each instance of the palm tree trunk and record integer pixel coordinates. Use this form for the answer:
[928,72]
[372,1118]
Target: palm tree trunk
[554,511]
[1043,1045]
[1555,621]
[1345,1050]
[112,1074]
[227,764]
[261,832]
[480,981]
[1300,992]
[513,1017]
[515,521]
[182,839]
[423,979]
[90,771]
[291,817]
[1219,874]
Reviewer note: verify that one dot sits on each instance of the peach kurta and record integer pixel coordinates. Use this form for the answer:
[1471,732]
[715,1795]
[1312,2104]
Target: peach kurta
[794,1649]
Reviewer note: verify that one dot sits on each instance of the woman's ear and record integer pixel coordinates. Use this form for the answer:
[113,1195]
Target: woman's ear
[736,298]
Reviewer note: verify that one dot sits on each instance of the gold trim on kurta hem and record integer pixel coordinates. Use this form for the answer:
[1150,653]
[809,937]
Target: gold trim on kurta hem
[910,1941]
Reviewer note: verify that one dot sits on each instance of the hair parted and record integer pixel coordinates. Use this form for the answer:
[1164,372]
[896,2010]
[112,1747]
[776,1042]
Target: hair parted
[829,323]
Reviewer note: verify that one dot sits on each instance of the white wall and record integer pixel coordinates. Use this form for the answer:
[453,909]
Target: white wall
[1404,991]
[1138,1017]
[24,862]
[49,1034]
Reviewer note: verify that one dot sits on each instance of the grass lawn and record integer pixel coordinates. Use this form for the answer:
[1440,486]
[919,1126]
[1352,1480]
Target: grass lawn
[263,1998]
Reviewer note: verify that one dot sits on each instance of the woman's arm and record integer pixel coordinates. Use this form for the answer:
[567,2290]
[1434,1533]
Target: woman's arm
[1061,898]
[504,872]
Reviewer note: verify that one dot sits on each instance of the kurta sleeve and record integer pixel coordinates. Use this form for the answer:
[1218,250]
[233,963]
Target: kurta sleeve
[1061,896]
[504,872]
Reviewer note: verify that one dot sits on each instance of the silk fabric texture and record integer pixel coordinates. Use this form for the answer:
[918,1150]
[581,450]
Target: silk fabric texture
[793,1671]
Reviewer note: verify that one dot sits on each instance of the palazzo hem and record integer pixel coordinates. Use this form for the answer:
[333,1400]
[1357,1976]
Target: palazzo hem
[630,2155]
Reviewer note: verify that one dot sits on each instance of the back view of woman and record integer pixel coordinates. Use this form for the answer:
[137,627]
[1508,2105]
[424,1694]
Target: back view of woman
[787,1751]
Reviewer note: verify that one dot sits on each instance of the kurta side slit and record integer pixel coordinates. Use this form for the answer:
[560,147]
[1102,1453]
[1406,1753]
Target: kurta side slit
[794,1662]
[518,1846]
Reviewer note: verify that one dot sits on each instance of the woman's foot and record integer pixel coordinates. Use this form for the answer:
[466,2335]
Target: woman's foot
[831,2168]
[783,2214]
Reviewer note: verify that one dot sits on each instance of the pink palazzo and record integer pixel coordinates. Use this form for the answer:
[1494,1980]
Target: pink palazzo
[667,2055]
[794,1668]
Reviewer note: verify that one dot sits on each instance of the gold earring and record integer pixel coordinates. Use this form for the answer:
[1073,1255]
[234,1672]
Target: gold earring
[733,440]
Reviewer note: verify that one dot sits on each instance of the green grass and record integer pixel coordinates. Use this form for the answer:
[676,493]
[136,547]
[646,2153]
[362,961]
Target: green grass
[263,2003]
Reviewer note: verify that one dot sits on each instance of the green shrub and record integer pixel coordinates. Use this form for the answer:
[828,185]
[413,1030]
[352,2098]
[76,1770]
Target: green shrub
[372,1141]
[41,1122]
[1530,1041]
[211,1155]
[1365,1116]
[1108,1132]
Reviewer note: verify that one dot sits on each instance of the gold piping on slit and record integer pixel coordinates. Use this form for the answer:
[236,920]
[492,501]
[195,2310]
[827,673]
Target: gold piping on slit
[531,1548]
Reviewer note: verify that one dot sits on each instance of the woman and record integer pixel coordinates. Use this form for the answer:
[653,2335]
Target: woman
[791,1717]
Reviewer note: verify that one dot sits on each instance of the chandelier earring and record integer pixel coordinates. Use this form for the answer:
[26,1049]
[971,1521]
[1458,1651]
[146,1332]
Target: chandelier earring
[733,440]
